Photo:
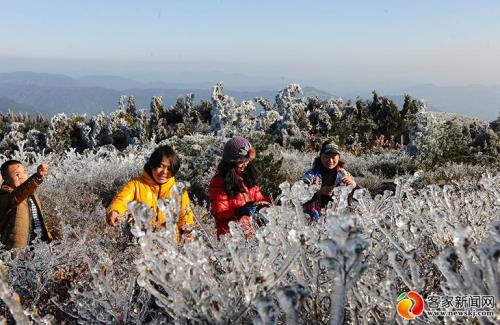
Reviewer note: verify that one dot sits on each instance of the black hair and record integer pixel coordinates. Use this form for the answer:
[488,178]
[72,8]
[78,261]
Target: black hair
[157,156]
[251,176]
[5,167]
[317,162]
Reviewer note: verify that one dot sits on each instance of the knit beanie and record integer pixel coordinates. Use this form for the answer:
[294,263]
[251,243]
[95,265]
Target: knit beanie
[238,150]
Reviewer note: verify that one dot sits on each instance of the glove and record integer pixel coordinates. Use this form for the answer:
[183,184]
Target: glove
[245,210]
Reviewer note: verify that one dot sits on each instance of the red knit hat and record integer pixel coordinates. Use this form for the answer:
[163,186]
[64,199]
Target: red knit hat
[238,150]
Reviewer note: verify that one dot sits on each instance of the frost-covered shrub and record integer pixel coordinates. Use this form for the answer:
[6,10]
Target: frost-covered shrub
[253,270]
[125,126]
[62,134]
[267,118]
[438,138]
[11,300]
[36,141]
[229,117]
[13,136]
[388,244]
[293,120]
[349,267]
[294,126]
[406,240]
[186,118]
[385,164]
[200,156]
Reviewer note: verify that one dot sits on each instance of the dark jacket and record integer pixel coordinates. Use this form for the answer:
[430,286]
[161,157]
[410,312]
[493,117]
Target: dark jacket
[15,215]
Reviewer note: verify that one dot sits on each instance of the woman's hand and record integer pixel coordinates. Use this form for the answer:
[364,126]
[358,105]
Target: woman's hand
[349,180]
[113,218]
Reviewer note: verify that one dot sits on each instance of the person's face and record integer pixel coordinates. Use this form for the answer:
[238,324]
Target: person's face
[240,167]
[330,160]
[162,173]
[17,175]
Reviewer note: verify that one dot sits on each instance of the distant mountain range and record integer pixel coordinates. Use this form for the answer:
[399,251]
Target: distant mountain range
[53,93]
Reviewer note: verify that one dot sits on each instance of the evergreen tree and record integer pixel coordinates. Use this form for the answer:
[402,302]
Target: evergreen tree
[363,123]
[156,114]
[390,122]
[131,107]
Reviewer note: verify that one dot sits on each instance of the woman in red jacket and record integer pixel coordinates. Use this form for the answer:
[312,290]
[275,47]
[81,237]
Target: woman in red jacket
[234,191]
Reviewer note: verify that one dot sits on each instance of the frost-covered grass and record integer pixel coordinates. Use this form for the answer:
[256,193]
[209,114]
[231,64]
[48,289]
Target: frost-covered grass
[349,267]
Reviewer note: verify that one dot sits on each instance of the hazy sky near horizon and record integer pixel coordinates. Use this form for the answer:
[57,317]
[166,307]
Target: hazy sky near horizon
[447,42]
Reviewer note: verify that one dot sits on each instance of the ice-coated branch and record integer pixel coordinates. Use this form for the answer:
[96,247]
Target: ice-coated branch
[345,261]
[12,300]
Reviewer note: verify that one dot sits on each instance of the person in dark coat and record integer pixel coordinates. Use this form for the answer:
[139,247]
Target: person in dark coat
[21,219]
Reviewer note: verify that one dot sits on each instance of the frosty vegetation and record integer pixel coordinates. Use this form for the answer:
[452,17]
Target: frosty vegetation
[432,228]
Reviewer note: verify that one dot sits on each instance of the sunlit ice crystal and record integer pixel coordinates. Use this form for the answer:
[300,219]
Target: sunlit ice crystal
[143,216]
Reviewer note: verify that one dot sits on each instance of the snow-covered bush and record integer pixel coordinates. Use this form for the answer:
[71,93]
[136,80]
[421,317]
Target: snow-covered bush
[13,137]
[293,120]
[350,266]
[230,281]
[438,138]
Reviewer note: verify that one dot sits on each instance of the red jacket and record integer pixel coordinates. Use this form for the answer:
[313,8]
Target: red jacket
[224,207]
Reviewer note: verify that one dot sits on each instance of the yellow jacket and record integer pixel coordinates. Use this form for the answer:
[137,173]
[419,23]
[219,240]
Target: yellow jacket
[145,189]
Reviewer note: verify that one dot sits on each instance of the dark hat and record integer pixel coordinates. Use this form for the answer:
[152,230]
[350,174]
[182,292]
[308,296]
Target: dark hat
[238,150]
[329,147]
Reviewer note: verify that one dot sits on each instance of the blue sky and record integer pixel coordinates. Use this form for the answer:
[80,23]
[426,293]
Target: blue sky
[445,42]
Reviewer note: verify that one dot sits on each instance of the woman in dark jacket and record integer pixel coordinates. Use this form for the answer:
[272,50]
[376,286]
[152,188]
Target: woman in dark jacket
[234,191]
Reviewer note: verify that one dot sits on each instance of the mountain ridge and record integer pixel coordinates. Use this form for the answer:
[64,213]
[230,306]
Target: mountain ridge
[54,93]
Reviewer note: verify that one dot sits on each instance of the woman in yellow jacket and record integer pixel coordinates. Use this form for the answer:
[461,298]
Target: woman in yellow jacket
[156,182]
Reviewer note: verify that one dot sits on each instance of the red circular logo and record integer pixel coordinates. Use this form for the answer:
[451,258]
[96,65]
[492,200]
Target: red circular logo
[410,305]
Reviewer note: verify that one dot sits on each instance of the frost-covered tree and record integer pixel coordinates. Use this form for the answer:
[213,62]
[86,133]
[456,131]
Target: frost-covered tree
[60,129]
[80,136]
[100,134]
[229,117]
[362,122]
[156,127]
[36,141]
[351,265]
[121,127]
[438,138]
[292,121]
[185,118]
[131,106]
[142,126]
[321,122]
[294,127]
[218,112]
[13,136]
[267,118]
[121,130]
